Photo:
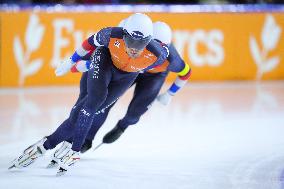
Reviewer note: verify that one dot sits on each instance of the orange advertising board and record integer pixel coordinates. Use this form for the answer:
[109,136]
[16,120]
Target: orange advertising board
[217,46]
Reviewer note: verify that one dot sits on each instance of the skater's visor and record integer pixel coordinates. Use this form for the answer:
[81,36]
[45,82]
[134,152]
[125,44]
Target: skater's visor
[138,43]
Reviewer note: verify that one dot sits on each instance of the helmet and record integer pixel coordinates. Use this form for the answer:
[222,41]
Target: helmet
[122,23]
[162,32]
[138,31]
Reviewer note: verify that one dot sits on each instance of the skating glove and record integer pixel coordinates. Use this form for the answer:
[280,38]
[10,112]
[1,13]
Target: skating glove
[64,67]
[165,98]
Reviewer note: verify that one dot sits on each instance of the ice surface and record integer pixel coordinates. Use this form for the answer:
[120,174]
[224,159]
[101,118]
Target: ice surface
[212,136]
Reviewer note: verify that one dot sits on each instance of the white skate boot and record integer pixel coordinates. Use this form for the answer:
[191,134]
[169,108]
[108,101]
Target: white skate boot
[30,155]
[59,153]
[68,160]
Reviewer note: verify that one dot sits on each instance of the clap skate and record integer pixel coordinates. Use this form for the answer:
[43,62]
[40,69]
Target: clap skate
[86,146]
[68,160]
[113,135]
[30,155]
[59,153]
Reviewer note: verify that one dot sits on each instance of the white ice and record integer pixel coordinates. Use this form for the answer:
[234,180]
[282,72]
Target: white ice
[212,136]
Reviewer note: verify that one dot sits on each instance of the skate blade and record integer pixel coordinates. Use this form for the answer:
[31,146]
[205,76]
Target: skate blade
[12,167]
[52,164]
[24,161]
[61,172]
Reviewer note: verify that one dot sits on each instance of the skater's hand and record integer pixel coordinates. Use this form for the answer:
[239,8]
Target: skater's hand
[64,67]
[165,98]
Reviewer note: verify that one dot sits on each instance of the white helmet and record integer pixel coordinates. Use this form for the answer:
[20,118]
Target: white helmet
[122,23]
[138,31]
[162,32]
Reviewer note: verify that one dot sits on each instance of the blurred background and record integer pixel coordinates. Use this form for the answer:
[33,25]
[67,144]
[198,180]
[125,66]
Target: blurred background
[221,42]
[146,1]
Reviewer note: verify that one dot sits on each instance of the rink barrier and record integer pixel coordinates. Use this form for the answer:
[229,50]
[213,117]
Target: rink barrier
[219,42]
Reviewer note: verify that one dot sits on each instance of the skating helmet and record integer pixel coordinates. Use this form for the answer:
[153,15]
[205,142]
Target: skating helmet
[138,31]
[122,23]
[162,32]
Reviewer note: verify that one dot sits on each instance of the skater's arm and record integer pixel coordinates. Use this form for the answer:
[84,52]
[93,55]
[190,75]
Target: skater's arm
[89,45]
[81,66]
[183,70]
[178,66]
[180,80]
[83,52]
[160,51]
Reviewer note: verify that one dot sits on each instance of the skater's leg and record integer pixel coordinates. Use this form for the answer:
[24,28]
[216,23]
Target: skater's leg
[82,94]
[115,89]
[66,130]
[99,77]
[146,90]
[83,86]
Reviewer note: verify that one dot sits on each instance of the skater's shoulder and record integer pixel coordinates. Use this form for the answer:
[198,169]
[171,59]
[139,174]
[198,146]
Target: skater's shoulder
[157,48]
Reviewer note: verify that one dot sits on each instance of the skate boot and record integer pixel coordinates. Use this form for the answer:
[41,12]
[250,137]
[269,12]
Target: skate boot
[68,160]
[58,154]
[86,146]
[113,135]
[30,155]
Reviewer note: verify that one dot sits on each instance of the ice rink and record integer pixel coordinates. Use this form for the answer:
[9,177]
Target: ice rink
[212,136]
